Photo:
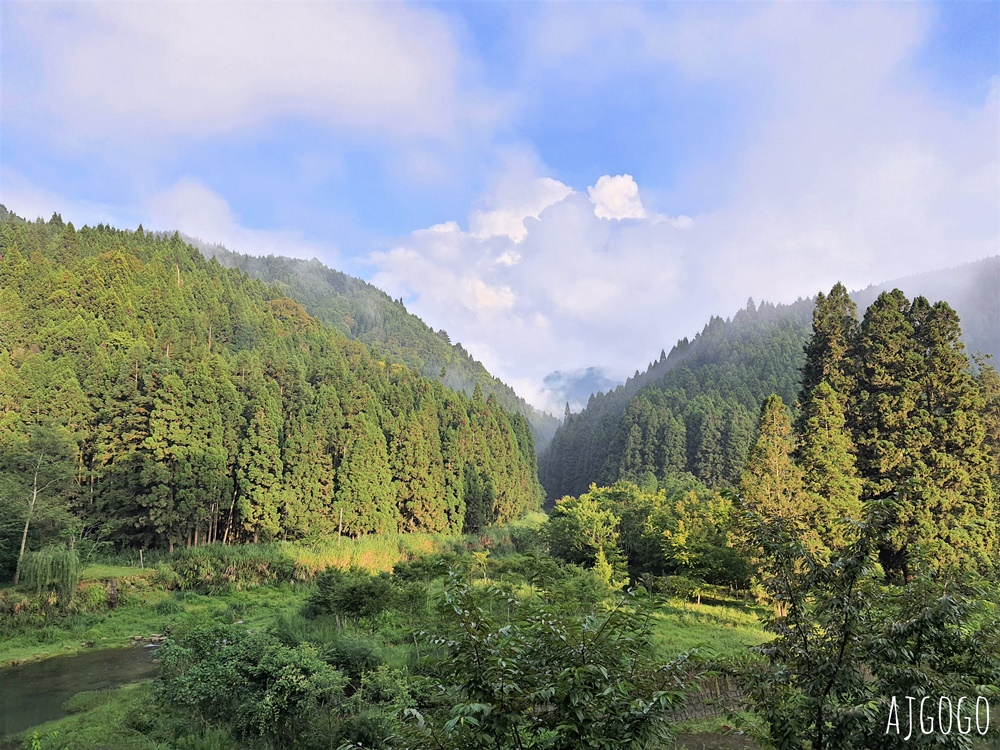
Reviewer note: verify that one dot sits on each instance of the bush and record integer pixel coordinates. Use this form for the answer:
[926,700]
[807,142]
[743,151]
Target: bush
[216,568]
[353,594]
[166,577]
[251,682]
[541,678]
[429,567]
[169,606]
[352,656]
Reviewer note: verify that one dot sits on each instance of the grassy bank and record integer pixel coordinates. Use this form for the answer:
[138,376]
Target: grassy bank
[265,589]
[253,583]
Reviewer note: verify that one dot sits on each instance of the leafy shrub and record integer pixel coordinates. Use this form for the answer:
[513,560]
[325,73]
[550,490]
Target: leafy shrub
[352,656]
[429,567]
[95,596]
[541,678]
[166,577]
[353,594]
[251,682]
[168,606]
[217,568]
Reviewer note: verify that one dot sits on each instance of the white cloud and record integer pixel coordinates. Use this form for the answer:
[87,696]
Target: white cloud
[854,166]
[508,221]
[193,209]
[854,170]
[202,69]
[582,290]
[520,192]
[616,198]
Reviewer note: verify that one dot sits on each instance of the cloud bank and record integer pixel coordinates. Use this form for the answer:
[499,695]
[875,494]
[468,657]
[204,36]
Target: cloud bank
[853,170]
[592,181]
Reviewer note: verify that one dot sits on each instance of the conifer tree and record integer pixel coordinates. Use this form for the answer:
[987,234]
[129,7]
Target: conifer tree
[953,513]
[772,485]
[828,351]
[826,457]
[259,469]
[419,478]
[365,490]
[709,461]
[886,365]
[672,447]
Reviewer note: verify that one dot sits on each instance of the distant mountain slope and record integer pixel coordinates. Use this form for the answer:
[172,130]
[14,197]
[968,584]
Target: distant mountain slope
[367,314]
[695,410]
[973,290]
[692,411]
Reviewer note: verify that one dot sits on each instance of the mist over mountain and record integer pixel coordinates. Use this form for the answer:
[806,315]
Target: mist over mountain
[694,410]
[973,290]
[365,313]
[577,386]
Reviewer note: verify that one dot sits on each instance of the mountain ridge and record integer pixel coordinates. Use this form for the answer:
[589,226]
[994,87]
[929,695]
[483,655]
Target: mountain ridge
[694,410]
[363,312]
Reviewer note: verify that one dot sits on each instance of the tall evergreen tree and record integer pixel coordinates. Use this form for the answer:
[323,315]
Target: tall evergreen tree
[886,366]
[828,351]
[365,491]
[826,456]
[772,485]
[259,470]
[951,510]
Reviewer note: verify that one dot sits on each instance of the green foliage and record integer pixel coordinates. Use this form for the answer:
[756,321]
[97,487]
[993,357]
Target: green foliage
[360,311]
[354,594]
[251,682]
[683,529]
[195,405]
[218,568]
[689,412]
[916,417]
[847,644]
[581,528]
[353,656]
[539,678]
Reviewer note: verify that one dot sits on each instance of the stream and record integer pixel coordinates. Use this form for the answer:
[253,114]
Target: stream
[34,692]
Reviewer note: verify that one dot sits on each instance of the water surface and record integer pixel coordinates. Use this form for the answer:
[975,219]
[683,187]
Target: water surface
[35,692]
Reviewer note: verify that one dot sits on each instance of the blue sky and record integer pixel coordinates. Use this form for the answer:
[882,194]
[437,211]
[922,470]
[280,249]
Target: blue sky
[560,186]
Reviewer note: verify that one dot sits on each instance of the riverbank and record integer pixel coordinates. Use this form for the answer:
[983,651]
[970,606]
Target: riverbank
[158,613]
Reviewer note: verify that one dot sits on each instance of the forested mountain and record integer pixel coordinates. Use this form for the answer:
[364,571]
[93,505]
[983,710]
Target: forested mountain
[695,409]
[692,411]
[152,397]
[367,314]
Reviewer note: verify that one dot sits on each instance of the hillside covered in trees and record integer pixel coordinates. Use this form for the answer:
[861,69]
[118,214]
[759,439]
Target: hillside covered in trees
[153,398]
[695,410]
[365,313]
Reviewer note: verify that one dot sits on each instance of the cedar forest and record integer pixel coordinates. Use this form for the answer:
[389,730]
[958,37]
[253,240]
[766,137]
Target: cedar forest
[828,476]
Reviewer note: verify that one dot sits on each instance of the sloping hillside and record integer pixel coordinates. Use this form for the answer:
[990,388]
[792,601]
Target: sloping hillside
[367,314]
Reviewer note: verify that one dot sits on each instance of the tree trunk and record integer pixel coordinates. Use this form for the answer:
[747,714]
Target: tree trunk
[27,521]
[229,521]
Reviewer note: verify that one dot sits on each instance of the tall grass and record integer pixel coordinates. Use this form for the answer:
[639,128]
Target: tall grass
[375,553]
